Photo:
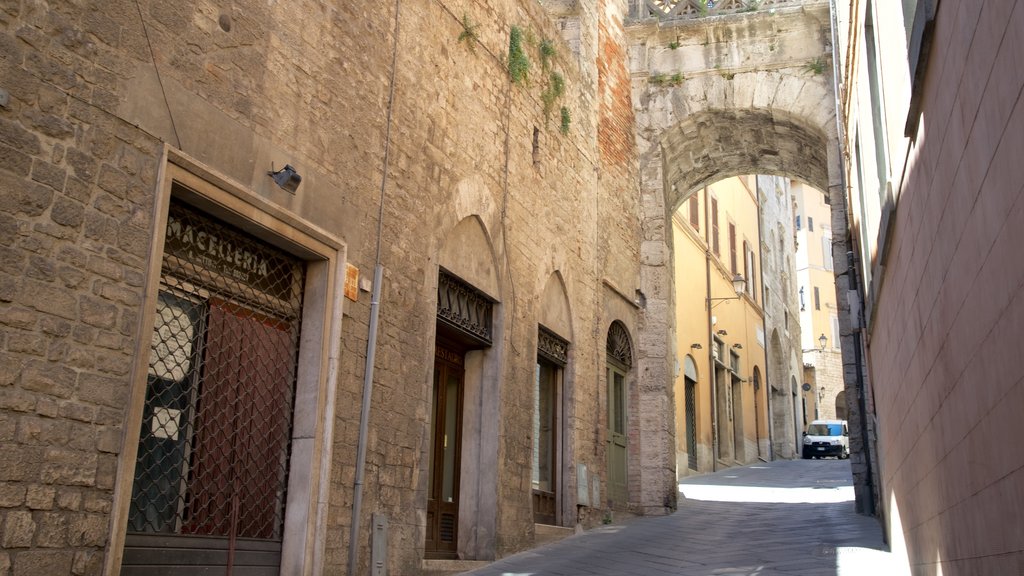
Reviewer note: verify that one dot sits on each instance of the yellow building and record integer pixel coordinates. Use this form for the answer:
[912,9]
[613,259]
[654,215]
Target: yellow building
[819,316]
[721,412]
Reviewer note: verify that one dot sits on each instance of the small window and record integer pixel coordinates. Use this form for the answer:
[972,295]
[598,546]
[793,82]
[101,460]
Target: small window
[732,248]
[714,227]
[797,221]
[810,224]
[694,213]
[817,299]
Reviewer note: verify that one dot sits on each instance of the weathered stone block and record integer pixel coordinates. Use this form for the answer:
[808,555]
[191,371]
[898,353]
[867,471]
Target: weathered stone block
[16,136]
[40,497]
[52,530]
[21,197]
[97,312]
[55,326]
[69,467]
[49,299]
[106,471]
[96,501]
[19,529]
[82,163]
[78,411]
[102,390]
[16,317]
[14,161]
[48,378]
[87,563]
[87,530]
[26,343]
[67,212]
[47,407]
[37,431]
[42,562]
[69,499]
[18,400]
[41,268]
[11,495]
[120,294]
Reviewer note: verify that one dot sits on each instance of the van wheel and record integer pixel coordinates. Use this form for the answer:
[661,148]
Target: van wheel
[845,455]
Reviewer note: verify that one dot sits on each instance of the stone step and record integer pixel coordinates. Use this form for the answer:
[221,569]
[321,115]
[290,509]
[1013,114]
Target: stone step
[450,567]
[545,534]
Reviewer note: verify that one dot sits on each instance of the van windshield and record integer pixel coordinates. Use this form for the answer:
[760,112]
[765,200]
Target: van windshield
[825,430]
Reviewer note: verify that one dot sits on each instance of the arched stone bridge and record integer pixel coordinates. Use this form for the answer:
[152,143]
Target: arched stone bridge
[722,89]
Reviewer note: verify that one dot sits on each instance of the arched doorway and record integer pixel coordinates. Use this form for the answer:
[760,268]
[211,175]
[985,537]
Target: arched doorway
[841,406]
[690,377]
[619,361]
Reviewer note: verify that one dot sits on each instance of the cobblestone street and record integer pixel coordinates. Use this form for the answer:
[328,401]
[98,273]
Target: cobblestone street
[781,518]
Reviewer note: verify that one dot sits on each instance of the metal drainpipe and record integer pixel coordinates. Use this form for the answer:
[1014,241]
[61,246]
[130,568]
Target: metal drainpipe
[371,340]
[764,329]
[851,270]
[711,332]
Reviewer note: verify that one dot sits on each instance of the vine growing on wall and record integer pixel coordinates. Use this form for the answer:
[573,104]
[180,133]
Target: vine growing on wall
[468,34]
[518,63]
[553,82]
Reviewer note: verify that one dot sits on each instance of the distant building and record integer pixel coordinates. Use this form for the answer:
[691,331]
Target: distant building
[819,315]
[722,416]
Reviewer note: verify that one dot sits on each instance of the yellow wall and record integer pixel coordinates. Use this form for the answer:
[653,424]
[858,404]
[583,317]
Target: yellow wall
[696,265]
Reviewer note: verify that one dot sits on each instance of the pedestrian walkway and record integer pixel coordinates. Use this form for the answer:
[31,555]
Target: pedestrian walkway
[792,518]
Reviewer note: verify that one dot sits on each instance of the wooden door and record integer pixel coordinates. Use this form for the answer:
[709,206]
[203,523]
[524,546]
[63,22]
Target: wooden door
[546,431]
[617,436]
[446,447]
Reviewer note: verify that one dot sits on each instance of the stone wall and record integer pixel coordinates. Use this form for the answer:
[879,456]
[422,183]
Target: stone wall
[96,93]
[778,264]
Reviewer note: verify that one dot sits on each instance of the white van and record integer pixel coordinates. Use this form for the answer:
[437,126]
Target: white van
[827,438]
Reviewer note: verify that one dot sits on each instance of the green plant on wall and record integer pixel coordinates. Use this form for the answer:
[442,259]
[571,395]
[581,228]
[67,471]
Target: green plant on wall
[552,93]
[566,121]
[518,63]
[665,80]
[673,45]
[816,66]
[468,34]
[547,54]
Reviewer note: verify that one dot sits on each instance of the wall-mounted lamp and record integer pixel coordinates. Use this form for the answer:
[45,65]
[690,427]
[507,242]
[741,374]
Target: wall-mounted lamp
[822,342]
[738,346]
[722,332]
[739,284]
[287,178]
[696,346]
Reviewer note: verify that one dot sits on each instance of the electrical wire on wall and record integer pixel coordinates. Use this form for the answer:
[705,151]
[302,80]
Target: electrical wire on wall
[371,341]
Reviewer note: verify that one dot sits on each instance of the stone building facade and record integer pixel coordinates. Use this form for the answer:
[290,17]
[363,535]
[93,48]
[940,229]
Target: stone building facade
[781,309]
[722,415]
[194,199]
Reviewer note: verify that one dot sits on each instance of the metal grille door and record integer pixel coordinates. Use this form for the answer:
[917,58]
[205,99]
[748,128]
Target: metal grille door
[213,454]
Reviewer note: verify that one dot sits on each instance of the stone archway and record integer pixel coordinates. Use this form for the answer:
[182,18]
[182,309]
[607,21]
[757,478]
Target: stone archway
[712,102]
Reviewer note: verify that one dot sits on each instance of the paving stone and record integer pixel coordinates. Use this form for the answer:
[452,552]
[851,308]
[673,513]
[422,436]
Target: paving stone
[789,517]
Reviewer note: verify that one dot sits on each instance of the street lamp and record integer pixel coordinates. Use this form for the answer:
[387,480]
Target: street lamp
[739,284]
[822,342]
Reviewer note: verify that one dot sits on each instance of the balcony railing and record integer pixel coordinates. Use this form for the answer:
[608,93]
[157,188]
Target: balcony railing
[686,9]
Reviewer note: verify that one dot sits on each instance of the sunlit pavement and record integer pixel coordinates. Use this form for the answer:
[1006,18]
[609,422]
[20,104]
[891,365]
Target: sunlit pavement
[793,518]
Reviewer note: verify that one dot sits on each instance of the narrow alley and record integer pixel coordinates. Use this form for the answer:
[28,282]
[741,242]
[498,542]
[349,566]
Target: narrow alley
[791,517]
